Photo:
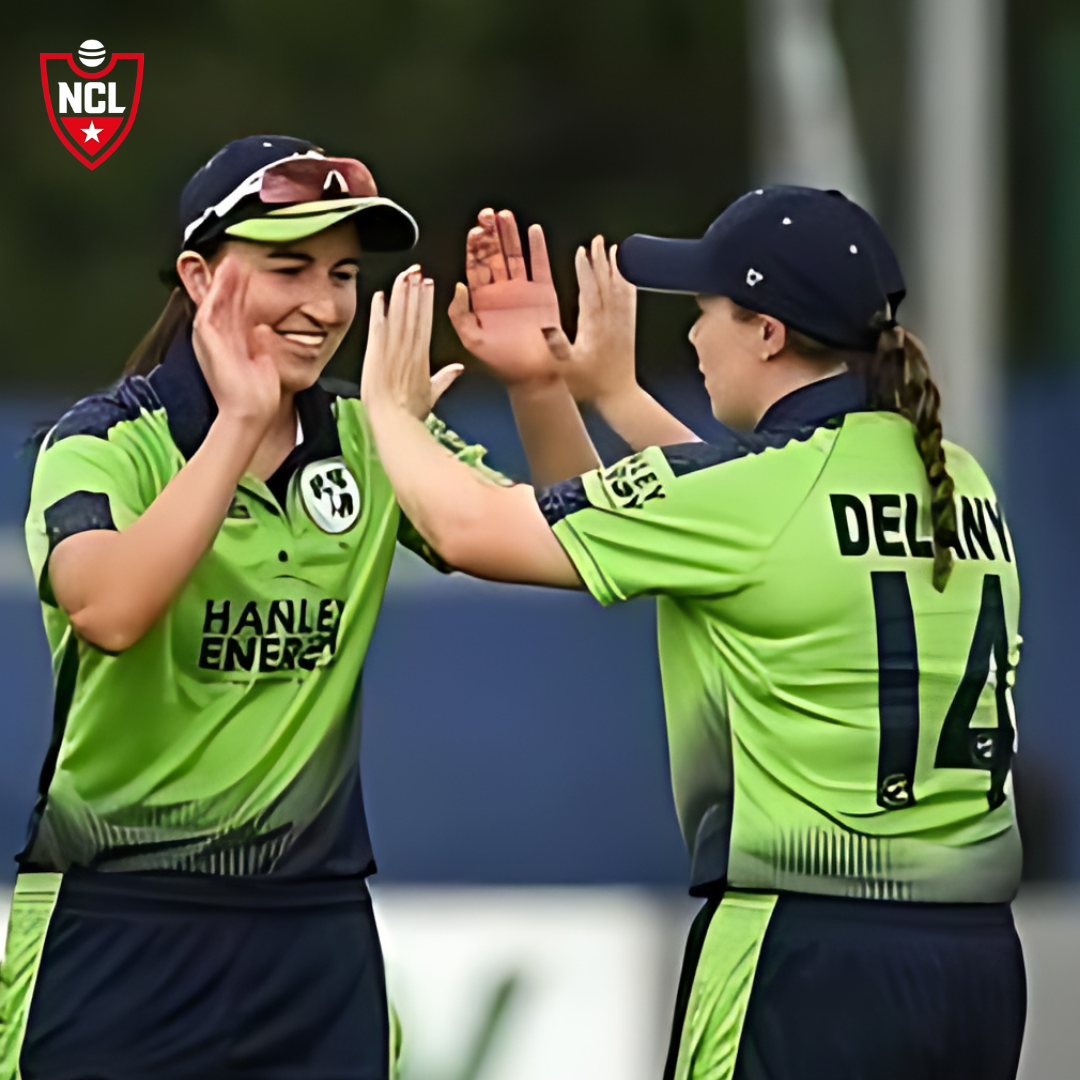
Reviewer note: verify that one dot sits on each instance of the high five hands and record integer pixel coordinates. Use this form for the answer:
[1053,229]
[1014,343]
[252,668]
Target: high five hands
[513,324]
[509,320]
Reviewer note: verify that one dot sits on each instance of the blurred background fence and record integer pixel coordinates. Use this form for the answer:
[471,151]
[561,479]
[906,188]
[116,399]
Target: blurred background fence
[514,737]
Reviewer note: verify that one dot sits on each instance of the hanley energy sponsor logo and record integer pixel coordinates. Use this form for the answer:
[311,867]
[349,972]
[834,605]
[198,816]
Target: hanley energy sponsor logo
[92,101]
[632,483]
[271,637]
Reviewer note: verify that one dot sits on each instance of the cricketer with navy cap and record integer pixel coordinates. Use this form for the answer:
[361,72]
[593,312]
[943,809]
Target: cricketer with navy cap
[837,622]
[211,538]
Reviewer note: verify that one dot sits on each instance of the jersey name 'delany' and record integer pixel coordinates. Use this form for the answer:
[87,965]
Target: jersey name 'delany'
[892,523]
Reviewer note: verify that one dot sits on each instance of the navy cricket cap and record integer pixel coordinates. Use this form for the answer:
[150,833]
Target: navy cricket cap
[812,259]
[274,189]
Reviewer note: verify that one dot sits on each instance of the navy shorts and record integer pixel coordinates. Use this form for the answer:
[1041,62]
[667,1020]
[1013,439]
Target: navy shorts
[163,977]
[799,987]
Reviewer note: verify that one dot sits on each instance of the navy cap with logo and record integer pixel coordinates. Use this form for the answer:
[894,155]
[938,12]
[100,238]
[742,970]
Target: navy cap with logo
[275,189]
[812,259]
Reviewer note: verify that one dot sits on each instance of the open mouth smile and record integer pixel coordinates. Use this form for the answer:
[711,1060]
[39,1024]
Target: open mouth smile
[308,338]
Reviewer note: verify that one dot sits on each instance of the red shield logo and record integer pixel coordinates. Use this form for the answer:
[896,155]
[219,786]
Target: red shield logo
[92,111]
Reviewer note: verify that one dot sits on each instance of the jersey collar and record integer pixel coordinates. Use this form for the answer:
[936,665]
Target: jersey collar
[813,405]
[189,405]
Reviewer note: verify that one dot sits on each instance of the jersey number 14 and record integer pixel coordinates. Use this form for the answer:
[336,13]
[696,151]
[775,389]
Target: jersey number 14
[960,745]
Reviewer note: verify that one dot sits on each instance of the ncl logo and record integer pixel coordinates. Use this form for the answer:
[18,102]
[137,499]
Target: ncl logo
[92,111]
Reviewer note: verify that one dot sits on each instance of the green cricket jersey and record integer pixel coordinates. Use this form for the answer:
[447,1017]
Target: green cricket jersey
[224,741]
[835,724]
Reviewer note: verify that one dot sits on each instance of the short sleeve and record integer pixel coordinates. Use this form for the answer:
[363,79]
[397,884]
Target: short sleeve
[473,456]
[81,482]
[680,521]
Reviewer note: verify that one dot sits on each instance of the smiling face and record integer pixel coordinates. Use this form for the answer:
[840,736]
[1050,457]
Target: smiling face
[305,291]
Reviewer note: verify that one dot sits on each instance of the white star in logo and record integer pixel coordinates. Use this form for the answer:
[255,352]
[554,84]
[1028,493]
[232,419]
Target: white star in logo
[92,132]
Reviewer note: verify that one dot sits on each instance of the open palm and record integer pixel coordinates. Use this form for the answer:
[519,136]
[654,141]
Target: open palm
[514,327]
[510,311]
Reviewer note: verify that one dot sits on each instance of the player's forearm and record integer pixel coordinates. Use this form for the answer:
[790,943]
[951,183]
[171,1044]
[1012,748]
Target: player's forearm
[116,585]
[638,418]
[438,493]
[551,430]
[482,529]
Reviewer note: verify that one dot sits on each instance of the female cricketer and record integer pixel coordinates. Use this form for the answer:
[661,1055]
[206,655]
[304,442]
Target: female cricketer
[837,609]
[211,540]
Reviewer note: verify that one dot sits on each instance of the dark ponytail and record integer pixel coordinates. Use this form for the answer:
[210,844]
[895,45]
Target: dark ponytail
[898,380]
[178,312]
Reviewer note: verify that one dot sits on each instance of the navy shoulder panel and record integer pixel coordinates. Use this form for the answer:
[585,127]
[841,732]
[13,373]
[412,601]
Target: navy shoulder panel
[340,388]
[78,512]
[97,414]
[563,499]
[731,446]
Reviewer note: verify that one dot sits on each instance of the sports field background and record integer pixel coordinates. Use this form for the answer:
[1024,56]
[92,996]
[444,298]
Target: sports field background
[514,755]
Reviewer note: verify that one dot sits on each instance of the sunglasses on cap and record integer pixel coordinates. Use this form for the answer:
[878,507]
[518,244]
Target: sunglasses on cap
[300,178]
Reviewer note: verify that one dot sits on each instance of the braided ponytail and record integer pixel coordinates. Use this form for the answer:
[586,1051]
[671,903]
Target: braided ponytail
[898,380]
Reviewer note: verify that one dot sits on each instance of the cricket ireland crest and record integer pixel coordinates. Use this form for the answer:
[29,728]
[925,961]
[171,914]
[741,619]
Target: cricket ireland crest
[91,110]
[331,495]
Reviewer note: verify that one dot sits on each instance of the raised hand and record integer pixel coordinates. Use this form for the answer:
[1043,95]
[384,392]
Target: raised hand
[599,364]
[397,360]
[510,311]
[237,356]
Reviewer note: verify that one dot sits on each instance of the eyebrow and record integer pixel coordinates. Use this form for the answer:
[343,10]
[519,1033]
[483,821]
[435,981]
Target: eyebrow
[304,257]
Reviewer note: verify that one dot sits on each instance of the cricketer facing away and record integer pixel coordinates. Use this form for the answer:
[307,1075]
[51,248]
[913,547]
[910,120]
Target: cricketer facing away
[837,608]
